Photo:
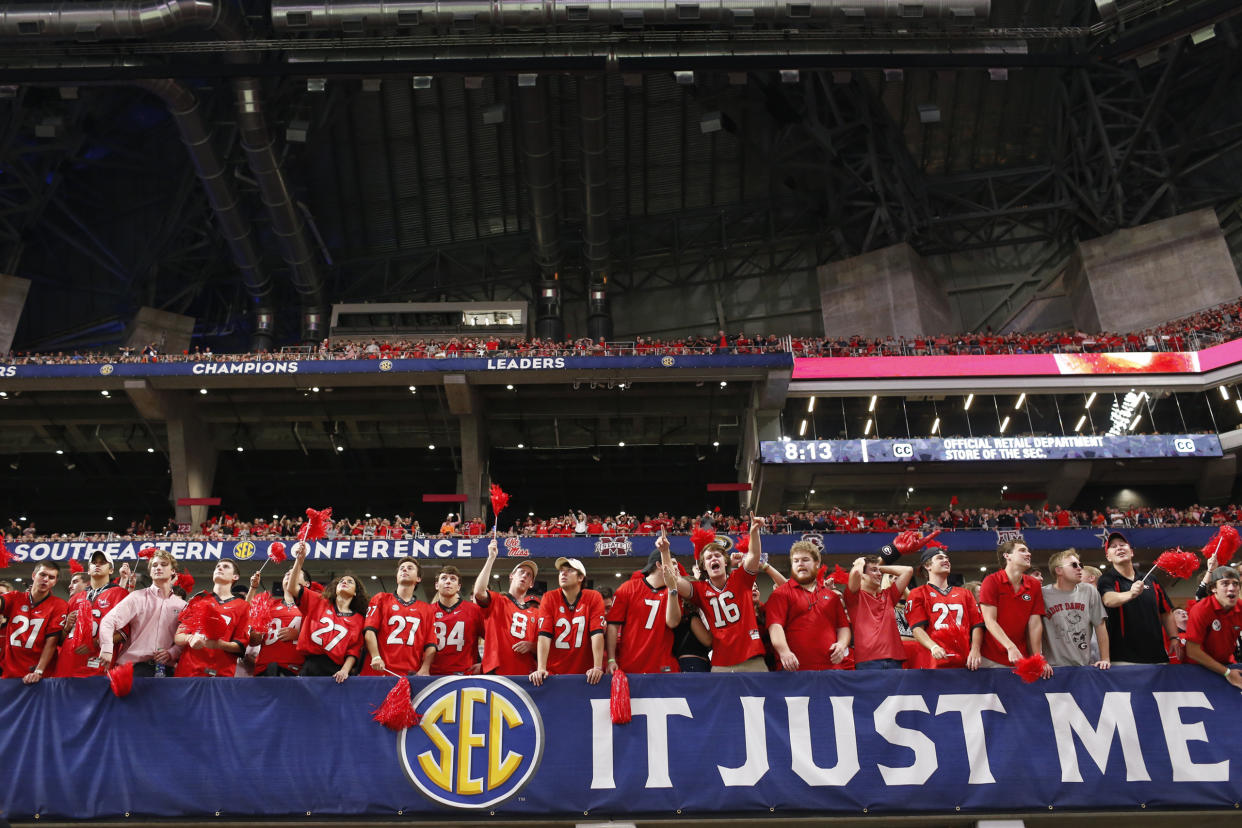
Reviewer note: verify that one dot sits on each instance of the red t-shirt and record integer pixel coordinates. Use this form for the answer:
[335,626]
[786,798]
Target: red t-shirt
[505,623]
[639,609]
[950,618]
[1214,628]
[28,628]
[457,632]
[327,631]
[570,627]
[70,664]
[730,616]
[402,631]
[207,662]
[274,651]
[810,620]
[875,624]
[1013,610]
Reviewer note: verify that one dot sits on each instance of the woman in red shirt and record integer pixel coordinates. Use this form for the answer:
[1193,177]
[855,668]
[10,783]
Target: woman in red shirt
[332,622]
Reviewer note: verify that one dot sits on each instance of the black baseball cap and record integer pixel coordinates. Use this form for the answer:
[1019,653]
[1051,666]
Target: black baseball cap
[1109,538]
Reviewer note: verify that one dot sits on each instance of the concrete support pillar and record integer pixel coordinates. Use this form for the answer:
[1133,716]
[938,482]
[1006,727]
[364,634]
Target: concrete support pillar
[13,291]
[762,422]
[1065,486]
[466,403]
[191,452]
[889,292]
[1143,276]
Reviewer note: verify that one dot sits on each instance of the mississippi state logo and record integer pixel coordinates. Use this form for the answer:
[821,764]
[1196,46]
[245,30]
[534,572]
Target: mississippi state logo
[608,545]
[668,362]
[385,365]
[479,742]
[106,369]
[244,551]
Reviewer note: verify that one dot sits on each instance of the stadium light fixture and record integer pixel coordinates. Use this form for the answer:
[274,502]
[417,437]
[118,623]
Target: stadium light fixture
[202,390]
[1081,420]
[105,392]
[716,443]
[1238,401]
[509,387]
[621,443]
[909,490]
[1004,425]
[6,393]
[241,449]
[870,423]
[810,405]
[1021,399]
[871,407]
[936,426]
[1134,423]
[812,491]
[724,383]
[969,401]
[802,428]
[150,450]
[521,445]
[1005,488]
[1224,393]
[60,451]
[1090,400]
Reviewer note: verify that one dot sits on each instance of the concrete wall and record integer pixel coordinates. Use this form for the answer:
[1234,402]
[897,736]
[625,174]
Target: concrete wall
[1136,278]
[888,292]
[13,291]
[171,331]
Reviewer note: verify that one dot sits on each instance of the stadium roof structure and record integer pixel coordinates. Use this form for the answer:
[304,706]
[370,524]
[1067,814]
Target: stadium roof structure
[249,163]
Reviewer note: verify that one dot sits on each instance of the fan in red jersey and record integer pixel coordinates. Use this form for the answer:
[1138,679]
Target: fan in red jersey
[571,627]
[33,627]
[509,617]
[945,619]
[726,601]
[80,658]
[806,618]
[278,641]
[208,656]
[458,626]
[647,611]
[332,621]
[398,633]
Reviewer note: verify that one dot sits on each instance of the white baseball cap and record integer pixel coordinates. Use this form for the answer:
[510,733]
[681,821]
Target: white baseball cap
[573,563]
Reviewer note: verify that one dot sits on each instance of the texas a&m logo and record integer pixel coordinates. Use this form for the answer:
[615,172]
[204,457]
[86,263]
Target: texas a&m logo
[479,742]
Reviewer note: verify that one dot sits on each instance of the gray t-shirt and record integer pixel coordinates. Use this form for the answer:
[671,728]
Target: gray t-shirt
[1069,624]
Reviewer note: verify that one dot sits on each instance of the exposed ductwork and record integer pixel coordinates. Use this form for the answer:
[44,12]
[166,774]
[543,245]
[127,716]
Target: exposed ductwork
[545,211]
[592,111]
[360,16]
[128,19]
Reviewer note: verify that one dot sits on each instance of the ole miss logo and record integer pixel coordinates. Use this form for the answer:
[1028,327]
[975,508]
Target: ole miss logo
[479,742]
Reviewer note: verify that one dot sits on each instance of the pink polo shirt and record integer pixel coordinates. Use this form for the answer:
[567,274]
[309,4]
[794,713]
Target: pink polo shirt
[153,623]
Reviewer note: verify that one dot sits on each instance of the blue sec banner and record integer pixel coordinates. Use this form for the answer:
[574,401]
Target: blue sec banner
[914,741]
[294,367]
[951,449]
[611,546]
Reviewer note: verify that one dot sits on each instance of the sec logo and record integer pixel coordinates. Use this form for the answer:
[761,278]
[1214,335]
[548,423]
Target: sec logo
[244,551]
[480,741]
[668,362]
[105,369]
[385,365]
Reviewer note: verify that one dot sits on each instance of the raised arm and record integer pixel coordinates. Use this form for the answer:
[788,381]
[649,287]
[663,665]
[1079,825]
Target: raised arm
[480,591]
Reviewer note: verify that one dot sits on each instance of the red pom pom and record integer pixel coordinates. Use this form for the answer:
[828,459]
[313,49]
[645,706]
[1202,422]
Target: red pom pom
[261,612]
[1177,563]
[202,616]
[75,566]
[186,581]
[397,710]
[316,526]
[839,575]
[6,557]
[147,552]
[82,623]
[1029,669]
[499,500]
[953,500]
[1224,544]
[700,538]
[276,552]
[619,698]
[121,679]
[743,544]
[955,639]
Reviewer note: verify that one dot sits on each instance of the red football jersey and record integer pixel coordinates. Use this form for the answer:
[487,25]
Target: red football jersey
[506,622]
[647,645]
[207,662]
[402,631]
[1013,611]
[810,620]
[326,631]
[570,627]
[457,633]
[950,618]
[74,665]
[28,628]
[731,620]
[274,651]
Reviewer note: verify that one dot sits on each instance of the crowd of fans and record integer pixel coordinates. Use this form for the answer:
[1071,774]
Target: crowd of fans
[226,526]
[1199,330]
[871,617]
